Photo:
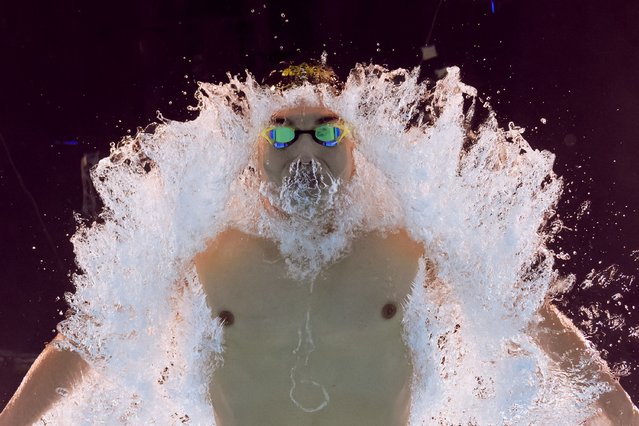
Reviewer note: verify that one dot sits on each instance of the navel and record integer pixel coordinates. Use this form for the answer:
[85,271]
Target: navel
[227,318]
[389,310]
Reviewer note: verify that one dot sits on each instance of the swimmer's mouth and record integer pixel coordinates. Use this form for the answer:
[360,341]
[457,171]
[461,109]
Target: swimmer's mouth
[307,189]
[306,174]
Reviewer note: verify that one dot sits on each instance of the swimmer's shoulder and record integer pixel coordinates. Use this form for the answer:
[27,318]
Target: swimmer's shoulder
[232,242]
[386,252]
[395,243]
[228,236]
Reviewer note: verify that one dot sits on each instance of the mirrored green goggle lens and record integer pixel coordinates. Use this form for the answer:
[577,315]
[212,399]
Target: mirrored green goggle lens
[282,134]
[327,133]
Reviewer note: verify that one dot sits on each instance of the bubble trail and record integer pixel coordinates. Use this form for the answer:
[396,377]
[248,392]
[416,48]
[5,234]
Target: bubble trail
[309,386]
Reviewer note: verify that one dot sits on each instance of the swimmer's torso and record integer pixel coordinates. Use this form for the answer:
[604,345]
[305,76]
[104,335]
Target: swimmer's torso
[328,352]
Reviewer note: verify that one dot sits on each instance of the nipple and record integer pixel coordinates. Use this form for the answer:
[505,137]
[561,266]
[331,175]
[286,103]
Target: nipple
[389,310]
[227,318]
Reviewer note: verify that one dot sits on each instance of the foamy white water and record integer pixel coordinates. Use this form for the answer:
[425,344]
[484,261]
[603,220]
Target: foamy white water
[475,196]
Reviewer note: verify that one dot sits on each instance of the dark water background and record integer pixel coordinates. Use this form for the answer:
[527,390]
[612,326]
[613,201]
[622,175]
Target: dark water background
[74,78]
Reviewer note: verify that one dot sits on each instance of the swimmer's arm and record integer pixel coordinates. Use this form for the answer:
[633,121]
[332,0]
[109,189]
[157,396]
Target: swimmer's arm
[36,394]
[565,345]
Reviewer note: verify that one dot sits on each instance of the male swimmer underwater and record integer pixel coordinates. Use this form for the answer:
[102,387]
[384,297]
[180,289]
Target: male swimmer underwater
[325,350]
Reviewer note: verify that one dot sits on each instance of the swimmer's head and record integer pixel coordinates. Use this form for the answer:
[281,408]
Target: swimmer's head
[306,173]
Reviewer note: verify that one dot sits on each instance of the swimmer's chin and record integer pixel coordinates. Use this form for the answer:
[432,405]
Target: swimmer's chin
[308,208]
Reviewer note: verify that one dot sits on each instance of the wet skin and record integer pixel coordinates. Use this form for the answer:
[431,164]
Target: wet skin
[327,352]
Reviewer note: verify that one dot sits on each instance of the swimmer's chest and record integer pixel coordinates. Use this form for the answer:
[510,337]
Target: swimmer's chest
[245,280]
[308,352]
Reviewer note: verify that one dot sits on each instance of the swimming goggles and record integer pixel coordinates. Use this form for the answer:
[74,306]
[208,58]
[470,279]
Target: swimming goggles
[329,134]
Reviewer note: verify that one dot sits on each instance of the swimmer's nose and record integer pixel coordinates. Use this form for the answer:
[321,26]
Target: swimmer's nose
[306,163]
[306,148]
[306,159]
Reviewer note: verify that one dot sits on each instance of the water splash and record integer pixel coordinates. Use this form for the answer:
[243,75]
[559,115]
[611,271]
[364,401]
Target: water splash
[476,195]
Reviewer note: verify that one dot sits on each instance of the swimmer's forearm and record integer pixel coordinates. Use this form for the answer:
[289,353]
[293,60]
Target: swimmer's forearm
[565,345]
[52,373]
[615,406]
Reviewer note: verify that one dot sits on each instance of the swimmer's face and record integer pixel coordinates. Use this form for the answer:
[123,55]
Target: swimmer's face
[276,165]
